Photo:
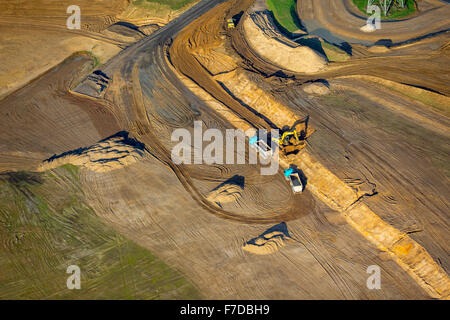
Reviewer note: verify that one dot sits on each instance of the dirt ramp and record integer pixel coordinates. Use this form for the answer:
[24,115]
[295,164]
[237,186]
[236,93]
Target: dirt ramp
[109,154]
[216,60]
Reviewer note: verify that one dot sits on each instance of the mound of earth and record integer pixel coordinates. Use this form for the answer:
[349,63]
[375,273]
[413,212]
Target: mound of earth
[283,53]
[242,84]
[270,241]
[317,88]
[227,192]
[109,154]
[123,31]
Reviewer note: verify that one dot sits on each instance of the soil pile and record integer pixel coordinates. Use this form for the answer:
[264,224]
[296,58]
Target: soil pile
[225,193]
[270,241]
[110,154]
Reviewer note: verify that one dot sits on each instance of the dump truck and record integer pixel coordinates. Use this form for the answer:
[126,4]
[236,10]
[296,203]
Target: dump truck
[294,180]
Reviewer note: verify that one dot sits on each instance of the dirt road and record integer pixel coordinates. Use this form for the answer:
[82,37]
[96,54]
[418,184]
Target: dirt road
[340,20]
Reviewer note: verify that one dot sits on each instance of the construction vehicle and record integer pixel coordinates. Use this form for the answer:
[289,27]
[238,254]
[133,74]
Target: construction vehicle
[294,180]
[293,139]
[230,23]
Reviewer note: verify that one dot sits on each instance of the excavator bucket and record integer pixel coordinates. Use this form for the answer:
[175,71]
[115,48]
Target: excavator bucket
[303,129]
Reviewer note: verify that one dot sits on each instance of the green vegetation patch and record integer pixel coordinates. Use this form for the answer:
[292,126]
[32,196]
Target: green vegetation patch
[396,9]
[172,4]
[285,14]
[334,53]
[45,226]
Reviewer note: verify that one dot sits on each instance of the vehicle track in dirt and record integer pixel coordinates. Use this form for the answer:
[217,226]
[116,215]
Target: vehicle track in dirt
[343,20]
[158,150]
[146,203]
[135,96]
[429,71]
[373,65]
[48,26]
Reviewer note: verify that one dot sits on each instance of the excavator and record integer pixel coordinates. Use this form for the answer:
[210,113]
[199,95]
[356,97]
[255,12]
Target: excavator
[293,139]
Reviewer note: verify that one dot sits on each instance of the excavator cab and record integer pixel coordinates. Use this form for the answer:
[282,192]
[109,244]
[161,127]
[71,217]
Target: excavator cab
[230,23]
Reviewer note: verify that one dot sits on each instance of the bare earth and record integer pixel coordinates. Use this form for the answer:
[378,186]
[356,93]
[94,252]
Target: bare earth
[380,146]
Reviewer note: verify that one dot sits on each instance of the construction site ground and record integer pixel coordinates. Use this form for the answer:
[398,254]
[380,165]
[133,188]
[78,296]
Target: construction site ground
[376,164]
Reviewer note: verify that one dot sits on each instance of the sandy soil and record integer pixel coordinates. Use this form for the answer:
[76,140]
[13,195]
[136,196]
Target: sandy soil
[296,58]
[34,37]
[378,161]
[43,118]
[416,256]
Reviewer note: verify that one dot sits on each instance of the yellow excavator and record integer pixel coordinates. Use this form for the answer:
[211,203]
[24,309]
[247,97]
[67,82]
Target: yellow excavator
[230,23]
[293,139]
